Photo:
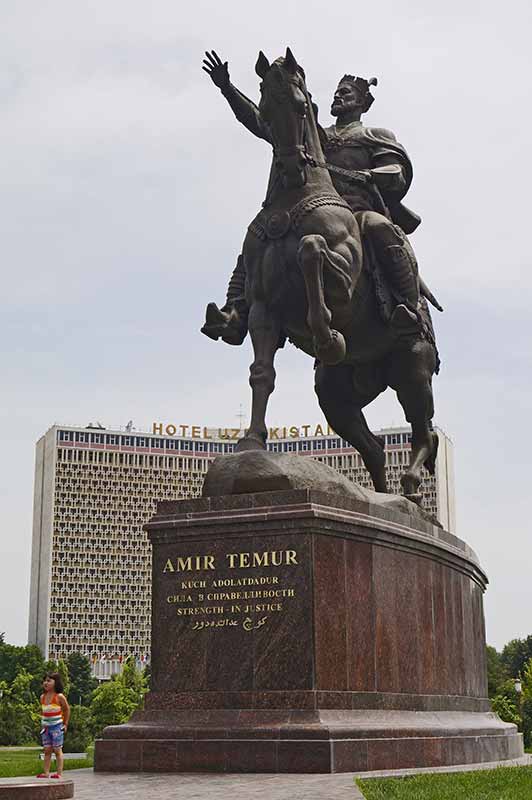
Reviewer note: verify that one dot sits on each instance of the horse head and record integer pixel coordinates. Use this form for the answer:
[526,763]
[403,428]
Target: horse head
[285,107]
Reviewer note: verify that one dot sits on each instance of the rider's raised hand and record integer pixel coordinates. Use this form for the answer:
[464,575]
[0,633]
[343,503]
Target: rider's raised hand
[217,70]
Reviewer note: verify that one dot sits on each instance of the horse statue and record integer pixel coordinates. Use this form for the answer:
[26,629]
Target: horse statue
[310,276]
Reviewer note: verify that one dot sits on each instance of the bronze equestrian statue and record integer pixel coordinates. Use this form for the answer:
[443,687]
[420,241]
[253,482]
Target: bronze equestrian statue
[326,263]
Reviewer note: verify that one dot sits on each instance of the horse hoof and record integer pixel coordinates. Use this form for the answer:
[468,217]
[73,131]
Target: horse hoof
[410,485]
[250,442]
[333,351]
[415,498]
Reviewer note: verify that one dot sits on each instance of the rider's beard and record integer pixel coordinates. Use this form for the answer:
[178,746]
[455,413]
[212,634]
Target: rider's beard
[341,107]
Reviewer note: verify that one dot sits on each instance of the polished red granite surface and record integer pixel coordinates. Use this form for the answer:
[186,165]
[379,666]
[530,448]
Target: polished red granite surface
[301,631]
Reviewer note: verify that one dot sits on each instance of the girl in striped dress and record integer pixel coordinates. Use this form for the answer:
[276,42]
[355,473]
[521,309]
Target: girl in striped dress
[55,713]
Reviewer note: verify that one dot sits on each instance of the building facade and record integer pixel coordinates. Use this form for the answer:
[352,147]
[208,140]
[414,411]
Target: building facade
[94,490]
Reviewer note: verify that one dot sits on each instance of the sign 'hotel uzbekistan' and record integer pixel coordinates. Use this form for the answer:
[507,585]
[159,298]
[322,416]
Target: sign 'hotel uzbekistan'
[203,432]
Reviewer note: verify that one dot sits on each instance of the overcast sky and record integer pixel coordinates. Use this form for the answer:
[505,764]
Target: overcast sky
[126,188]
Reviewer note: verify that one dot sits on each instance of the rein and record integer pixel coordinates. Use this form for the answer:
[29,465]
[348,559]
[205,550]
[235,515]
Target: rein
[309,161]
[296,148]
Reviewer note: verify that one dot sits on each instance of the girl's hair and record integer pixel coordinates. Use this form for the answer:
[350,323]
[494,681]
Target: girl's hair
[56,677]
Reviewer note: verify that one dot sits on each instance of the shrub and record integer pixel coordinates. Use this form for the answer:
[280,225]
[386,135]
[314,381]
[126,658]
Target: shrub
[79,733]
[506,710]
[112,704]
[19,712]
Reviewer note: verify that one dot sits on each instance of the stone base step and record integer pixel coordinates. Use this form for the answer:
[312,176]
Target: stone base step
[35,789]
[304,742]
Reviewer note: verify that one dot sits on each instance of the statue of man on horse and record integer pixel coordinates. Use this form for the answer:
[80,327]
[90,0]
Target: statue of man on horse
[371,171]
[327,264]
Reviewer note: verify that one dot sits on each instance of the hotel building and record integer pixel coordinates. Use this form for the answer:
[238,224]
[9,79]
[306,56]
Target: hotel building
[94,490]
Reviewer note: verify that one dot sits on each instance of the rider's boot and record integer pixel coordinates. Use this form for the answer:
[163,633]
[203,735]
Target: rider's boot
[401,271]
[231,321]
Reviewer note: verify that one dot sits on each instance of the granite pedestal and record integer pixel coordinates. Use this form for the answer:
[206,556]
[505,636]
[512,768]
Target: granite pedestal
[35,789]
[299,631]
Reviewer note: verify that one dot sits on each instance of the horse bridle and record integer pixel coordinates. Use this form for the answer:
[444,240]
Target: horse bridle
[297,149]
[310,161]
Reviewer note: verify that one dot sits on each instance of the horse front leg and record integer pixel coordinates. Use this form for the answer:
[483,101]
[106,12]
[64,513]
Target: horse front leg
[329,344]
[265,330]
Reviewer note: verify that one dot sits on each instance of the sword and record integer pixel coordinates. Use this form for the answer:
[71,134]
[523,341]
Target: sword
[425,291]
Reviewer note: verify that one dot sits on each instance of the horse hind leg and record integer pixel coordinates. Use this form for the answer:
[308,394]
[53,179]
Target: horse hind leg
[264,329]
[422,450]
[412,380]
[329,344]
[342,406]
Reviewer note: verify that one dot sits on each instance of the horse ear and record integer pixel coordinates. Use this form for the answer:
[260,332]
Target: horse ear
[262,66]
[290,64]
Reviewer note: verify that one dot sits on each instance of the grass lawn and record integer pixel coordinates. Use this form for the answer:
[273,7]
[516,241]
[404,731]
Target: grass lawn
[505,783]
[26,762]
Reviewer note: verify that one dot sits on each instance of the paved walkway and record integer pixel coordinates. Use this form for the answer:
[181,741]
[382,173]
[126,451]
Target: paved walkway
[89,785]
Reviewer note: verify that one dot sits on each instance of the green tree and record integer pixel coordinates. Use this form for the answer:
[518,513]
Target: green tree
[512,707]
[82,684]
[133,678]
[507,689]
[515,655]
[65,677]
[112,704]
[28,658]
[506,710]
[19,711]
[146,674]
[526,679]
[526,702]
[79,733]
[496,671]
